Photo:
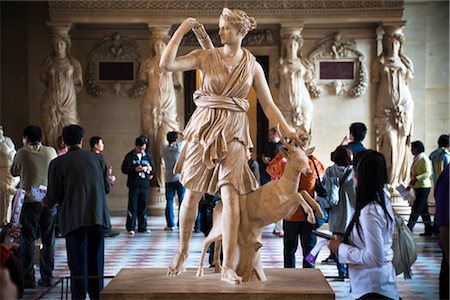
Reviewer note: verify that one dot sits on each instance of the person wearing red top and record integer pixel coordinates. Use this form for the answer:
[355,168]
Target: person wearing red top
[297,225]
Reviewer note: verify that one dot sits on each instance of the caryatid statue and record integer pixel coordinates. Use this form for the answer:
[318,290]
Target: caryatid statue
[159,105]
[62,76]
[8,183]
[394,106]
[293,73]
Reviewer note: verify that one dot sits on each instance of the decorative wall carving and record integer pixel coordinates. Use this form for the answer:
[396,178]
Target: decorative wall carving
[112,48]
[337,47]
[163,10]
[257,37]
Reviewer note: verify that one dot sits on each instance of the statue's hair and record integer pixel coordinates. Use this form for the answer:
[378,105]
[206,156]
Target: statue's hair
[239,18]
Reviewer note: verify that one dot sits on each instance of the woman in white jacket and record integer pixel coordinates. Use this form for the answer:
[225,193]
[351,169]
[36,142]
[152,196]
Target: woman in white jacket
[367,243]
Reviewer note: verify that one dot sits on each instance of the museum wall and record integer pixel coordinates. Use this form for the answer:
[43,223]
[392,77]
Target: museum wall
[116,117]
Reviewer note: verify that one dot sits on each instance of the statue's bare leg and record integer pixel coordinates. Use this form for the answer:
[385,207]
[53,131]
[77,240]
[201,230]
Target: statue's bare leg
[188,214]
[230,226]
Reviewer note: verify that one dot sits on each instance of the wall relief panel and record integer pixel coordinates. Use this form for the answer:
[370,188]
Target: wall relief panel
[113,66]
[339,68]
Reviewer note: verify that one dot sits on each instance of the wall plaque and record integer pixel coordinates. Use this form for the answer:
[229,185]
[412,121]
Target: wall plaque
[116,71]
[332,70]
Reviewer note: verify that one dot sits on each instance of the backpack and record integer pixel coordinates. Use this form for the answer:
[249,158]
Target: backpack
[333,186]
[404,247]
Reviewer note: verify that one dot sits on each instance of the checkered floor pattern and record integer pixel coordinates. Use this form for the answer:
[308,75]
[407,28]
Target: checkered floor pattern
[155,250]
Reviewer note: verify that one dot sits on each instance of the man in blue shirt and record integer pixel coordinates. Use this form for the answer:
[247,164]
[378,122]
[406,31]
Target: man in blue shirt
[170,153]
[357,133]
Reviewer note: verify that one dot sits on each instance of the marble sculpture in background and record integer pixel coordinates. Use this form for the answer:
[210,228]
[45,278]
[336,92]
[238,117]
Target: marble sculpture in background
[62,76]
[293,98]
[159,105]
[8,183]
[395,106]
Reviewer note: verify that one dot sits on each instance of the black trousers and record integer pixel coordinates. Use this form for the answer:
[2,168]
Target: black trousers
[85,254]
[137,209]
[443,279]
[37,220]
[420,208]
[292,231]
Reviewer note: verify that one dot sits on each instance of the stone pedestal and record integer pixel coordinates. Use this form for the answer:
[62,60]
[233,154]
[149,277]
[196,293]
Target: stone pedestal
[156,202]
[400,205]
[154,284]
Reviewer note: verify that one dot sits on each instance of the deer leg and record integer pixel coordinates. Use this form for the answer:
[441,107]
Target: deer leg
[212,236]
[217,249]
[313,203]
[308,210]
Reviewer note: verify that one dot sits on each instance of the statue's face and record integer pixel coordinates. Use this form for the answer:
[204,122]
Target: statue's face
[228,32]
[391,45]
[60,46]
[159,47]
[292,46]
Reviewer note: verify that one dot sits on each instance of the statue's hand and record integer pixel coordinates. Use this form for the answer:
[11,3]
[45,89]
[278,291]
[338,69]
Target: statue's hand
[187,25]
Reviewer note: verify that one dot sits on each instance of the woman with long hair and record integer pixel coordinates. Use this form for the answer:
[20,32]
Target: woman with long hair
[367,243]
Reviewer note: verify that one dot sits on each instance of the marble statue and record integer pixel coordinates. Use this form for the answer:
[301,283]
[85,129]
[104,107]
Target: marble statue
[8,183]
[395,106]
[293,98]
[62,76]
[212,159]
[159,105]
[276,200]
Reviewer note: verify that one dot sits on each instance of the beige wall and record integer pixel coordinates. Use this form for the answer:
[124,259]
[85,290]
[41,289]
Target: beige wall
[117,118]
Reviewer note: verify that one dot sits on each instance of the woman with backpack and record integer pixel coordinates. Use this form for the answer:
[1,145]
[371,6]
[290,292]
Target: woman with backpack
[341,194]
[367,243]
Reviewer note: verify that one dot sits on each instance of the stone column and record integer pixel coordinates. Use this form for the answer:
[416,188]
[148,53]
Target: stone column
[156,203]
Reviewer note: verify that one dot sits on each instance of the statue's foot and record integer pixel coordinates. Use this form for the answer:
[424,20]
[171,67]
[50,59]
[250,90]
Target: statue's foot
[177,265]
[230,275]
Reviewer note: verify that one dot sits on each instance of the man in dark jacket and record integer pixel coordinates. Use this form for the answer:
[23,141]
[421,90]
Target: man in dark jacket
[138,165]
[78,182]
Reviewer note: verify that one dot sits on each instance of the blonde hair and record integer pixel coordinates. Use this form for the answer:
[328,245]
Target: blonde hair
[240,19]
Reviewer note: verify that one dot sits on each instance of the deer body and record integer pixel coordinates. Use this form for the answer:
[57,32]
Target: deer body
[273,201]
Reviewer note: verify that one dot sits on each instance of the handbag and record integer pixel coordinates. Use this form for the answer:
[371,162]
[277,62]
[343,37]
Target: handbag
[319,188]
[404,248]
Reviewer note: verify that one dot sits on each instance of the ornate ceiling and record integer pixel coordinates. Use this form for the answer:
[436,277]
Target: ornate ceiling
[265,11]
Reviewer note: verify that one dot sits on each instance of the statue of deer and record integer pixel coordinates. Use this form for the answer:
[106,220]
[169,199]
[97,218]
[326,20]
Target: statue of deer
[269,203]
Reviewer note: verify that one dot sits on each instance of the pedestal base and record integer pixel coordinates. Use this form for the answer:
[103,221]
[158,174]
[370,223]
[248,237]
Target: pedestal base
[154,284]
[156,203]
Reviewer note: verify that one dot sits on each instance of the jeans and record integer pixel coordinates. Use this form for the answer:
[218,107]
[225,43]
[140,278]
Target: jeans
[137,208]
[420,207]
[292,230]
[34,218]
[171,189]
[85,255]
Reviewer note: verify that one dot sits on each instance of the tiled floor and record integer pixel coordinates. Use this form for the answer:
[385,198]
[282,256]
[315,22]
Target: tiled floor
[155,249]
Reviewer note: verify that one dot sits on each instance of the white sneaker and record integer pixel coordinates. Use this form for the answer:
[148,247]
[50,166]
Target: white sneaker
[145,231]
[131,232]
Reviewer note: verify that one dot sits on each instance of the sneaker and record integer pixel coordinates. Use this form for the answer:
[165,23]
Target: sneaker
[278,233]
[145,231]
[329,260]
[426,234]
[112,234]
[131,232]
[169,228]
[29,284]
[45,283]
